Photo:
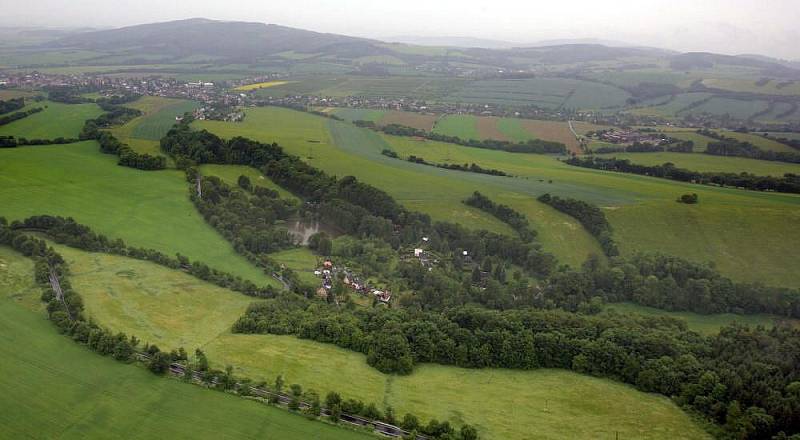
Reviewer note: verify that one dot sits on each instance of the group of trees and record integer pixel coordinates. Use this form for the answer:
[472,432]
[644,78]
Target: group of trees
[723,377]
[7,119]
[590,216]
[11,141]
[789,183]
[726,146]
[472,168]
[117,114]
[504,213]
[537,146]
[246,218]
[11,105]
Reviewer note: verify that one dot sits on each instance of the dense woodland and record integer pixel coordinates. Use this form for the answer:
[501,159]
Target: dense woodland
[789,183]
[11,105]
[537,146]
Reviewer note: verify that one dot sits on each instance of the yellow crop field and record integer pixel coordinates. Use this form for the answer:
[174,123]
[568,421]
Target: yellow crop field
[262,85]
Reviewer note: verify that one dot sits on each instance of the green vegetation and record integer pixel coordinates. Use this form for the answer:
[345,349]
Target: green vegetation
[158,115]
[544,92]
[540,398]
[146,209]
[704,162]
[703,324]
[758,140]
[98,397]
[230,175]
[728,223]
[358,114]
[462,126]
[56,120]
[513,129]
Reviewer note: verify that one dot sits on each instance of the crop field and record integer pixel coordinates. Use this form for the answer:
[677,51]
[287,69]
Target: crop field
[92,397]
[703,324]
[726,224]
[148,209]
[394,87]
[261,85]
[746,85]
[700,141]
[358,114]
[553,131]
[56,120]
[705,162]
[230,174]
[463,126]
[555,402]
[737,108]
[674,107]
[155,125]
[550,93]
[6,94]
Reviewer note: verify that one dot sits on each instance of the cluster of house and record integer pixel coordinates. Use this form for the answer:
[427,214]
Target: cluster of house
[329,272]
[618,136]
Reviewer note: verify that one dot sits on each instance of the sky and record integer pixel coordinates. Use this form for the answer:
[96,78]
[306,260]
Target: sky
[767,27]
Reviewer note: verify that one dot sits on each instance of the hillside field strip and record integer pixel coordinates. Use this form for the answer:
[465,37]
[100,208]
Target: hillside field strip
[148,209]
[727,224]
[55,120]
[143,132]
[708,163]
[52,387]
[164,307]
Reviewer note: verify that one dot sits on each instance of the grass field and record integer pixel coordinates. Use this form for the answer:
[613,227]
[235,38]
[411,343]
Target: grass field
[463,126]
[727,224]
[737,108]
[302,261]
[558,404]
[703,324]
[230,174]
[758,140]
[705,162]
[145,208]
[143,133]
[56,120]
[261,85]
[550,93]
[51,387]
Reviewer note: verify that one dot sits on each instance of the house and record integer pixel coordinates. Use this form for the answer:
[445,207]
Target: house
[417,252]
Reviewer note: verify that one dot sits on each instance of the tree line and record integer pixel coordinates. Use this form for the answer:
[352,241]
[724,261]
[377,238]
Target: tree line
[11,141]
[789,183]
[537,146]
[11,105]
[472,168]
[726,146]
[69,318]
[504,213]
[590,216]
[7,119]
[670,145]
[115,115]
[717,376]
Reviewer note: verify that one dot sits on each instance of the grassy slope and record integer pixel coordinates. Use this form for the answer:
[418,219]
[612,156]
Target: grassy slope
[301,260]
[703,324]
[57,120]
[463,126]
[143,133]
[145,208]
[749,235]
[50,387]
[759,141]
[558,403]
[230,174]
[705,162]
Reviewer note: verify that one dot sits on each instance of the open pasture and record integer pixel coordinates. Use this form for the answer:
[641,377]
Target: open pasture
[555,402]
[55,120]
[51,387]
[148,209]
[705,162]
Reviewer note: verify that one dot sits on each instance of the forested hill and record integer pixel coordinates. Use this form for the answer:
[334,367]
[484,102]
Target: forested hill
[227,39]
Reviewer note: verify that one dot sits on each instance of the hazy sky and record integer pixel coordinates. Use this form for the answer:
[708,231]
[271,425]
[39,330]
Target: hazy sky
[770,27]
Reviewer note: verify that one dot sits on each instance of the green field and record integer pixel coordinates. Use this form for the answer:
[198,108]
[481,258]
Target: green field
[727,223]
[550,93]
[736,108]
[462,126]
[56,120]
[122,294]
[358,114]
[230,174]
[705,162]
[513,129]
[154,126]
[145,208]
[158,115]
[51,387]
[703,324]
[302,261]
[758,140]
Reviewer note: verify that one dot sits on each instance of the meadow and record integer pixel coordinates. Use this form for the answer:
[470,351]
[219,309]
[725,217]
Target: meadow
[557,403]
[158,115]
[148,209]
[705,162]
[56,120]
[748,235]
[703,324]
[51,387]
